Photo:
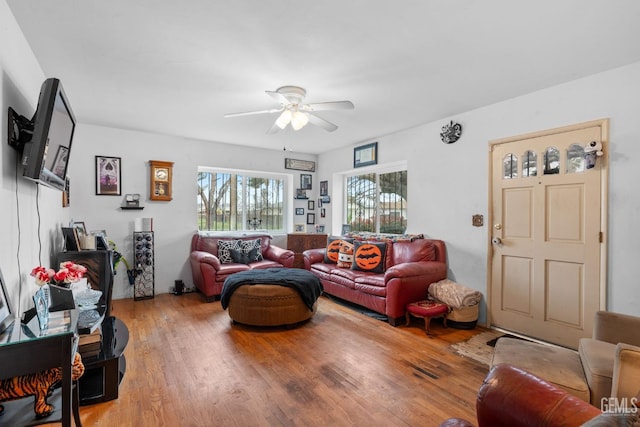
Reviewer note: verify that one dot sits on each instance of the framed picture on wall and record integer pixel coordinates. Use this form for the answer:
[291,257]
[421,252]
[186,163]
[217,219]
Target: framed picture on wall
[301,165]
[311,218]
[299,211]
[108,176]
[305,181]
[324,188]
[365,155]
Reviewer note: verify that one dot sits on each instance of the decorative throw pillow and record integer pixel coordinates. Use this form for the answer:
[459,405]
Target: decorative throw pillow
[252,248]
[345,257]
[333,249]
[369,256]
[224,247]
[240,257]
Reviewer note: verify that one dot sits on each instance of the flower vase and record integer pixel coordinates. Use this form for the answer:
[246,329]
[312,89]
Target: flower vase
[41,300]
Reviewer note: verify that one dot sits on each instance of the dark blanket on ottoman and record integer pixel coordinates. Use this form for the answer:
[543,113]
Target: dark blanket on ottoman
[304,282]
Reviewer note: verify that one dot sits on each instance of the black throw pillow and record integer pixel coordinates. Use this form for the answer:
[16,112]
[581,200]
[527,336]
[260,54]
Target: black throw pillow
[241,257]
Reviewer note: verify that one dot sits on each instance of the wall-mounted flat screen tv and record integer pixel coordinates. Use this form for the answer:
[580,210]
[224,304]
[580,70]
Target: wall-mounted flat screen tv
[45,156]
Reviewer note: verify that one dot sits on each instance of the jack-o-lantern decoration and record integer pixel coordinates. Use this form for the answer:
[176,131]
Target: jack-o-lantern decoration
[369,256]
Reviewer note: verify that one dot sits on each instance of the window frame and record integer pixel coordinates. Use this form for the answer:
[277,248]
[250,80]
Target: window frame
[377,170]
[244,173]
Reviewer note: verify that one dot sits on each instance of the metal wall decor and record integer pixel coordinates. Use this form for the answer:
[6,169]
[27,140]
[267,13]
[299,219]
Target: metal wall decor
[451,132]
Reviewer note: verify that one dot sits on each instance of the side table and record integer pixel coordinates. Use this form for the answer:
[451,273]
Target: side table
[103,373]
[25,349]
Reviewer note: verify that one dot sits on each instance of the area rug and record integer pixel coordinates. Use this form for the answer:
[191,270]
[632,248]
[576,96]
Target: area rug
[478,347]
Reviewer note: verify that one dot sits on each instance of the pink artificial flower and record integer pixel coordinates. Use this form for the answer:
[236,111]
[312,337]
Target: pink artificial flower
[42,275]
[68,273]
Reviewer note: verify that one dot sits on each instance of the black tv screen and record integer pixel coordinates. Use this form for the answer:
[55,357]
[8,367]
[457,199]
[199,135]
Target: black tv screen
[46,156]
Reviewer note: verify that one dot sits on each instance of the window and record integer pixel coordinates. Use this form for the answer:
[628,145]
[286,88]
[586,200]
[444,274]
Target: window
[529,164]
[510,166]
[575,158]
[237,201]
[377,202]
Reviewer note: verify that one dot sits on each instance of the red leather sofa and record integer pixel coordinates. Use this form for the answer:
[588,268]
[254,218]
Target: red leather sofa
[410,267]
[209,272]
[512,397]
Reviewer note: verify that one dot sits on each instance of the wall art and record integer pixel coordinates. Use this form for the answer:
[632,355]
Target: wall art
[365,155]
[108,176]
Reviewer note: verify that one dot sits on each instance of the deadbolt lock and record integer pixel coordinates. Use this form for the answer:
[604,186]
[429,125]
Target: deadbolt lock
[498,226]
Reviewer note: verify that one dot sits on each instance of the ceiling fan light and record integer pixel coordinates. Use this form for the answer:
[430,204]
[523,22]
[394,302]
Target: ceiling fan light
[284,119]
[299,120]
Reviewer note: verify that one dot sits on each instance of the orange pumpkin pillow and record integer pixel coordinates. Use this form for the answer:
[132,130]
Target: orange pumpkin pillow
[369,256]
[345,257]
[333,249]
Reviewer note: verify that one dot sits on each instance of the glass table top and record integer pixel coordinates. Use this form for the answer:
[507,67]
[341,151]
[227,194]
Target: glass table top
[60,323]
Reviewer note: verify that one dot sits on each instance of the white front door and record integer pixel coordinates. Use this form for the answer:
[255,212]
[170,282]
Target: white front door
[548,210]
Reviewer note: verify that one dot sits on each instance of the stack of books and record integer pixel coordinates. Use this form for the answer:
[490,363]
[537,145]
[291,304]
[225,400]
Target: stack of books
[89,345]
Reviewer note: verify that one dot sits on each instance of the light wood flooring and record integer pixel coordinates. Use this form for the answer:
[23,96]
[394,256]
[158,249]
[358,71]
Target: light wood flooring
[189,365]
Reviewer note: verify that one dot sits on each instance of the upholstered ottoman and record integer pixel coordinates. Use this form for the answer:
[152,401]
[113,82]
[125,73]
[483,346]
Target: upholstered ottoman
[427,309]
[268,305]
[556,365]
[271,297]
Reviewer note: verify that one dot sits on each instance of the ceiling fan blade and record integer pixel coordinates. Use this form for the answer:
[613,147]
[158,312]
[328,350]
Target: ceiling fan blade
[318,121]
[335,105]
[273,129]
[280,98]
[251,113]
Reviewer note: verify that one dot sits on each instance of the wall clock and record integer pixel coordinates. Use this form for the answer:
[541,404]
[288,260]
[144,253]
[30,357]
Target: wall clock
[160,182]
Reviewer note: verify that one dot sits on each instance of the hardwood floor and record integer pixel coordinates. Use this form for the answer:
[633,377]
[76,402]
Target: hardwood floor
[188,365]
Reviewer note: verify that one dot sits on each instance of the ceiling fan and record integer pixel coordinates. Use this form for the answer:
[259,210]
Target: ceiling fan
[293,111]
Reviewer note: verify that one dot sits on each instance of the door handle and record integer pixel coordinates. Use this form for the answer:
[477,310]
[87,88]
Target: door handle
[496,241]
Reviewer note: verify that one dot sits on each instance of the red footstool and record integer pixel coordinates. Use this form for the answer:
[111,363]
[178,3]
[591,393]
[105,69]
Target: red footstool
[427,309]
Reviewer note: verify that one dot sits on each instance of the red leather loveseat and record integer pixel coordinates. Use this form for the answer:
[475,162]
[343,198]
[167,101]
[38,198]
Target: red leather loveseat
[411,264]
[210,265]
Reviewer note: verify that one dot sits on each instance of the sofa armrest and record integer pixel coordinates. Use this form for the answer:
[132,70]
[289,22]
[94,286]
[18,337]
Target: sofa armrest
[279,255]
[313,256]
[409,282]
[626,372]
[510,396]
[616,327]
[207,258]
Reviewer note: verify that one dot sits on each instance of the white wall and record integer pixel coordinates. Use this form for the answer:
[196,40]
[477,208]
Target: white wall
[21,250]
[448,183]
[174,222]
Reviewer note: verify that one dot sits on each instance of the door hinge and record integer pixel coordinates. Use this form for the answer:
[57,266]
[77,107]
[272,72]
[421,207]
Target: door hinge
[601,237]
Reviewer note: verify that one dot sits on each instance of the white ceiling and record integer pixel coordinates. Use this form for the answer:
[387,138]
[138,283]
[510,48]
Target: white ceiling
[176,67]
